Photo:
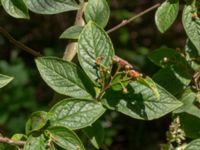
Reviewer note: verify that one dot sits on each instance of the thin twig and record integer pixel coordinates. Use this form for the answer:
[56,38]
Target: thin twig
[18,44]
[12,142]
[125,22]
[70,50]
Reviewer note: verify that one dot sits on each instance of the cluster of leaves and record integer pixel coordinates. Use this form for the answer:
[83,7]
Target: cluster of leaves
[181,66]
[104,81]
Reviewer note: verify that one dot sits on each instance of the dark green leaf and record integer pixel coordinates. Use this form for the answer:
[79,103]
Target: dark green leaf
[4,80]
[72,32]
[166,14]
[36,121]
[192,25]
[163,56]
[65,77]
[95,133]
[178,75]
[75,113]
[120,81]
[7,147]
[194,145]
[97,11]
[37,142]
[51,6]
[65,138]
[15,8]
[141,102]
[190,125]
[94,43]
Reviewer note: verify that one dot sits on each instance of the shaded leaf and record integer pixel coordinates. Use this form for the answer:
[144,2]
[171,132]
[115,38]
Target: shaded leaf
[120,81]
[166,14]
[15,8]
[141,102]
[72,32]
[95,133]
[94,43]
[65,138]
[51,6]
[4,80]
[75,113]
[65,77]
[97,11]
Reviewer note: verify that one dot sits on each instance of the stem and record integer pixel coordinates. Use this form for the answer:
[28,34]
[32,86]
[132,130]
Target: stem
[18,44]
[125,22]
[70,50]
[12,142]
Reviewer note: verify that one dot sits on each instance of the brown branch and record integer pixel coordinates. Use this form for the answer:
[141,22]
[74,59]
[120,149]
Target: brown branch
[125,22]
[12,142]
[70,50]
[18,44]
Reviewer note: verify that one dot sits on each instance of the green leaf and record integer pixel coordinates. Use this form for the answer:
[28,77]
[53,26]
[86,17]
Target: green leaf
[15,8]
[65,77]
[194,145]
[190,125]
[151,84]
[51,6]
[7,147]
[97,11]
[37,142]
[75,113]
[4,80]
[190,103]
[95,133]
[19,137]
[65,138]
[191,52]
[192,26]
[163,57]
[140,102]
[72,32]
[180,76]
[166,14]
[120,81]
[94,43]
[36,121]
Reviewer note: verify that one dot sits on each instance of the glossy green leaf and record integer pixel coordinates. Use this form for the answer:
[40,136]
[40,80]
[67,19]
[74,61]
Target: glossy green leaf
[51,6]
[65,138]
[97,11]
[75,113]
[180,76]
[15,8]
[191,25]
[141,102]
[191,52]
[36,121]
[95,133]
[4,80]
[194,145]
[37,142]
[72,32]
[65,77]
[94,43]
[166,14]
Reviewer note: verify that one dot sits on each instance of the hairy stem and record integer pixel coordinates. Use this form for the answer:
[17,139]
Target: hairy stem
[12,142]
[125,22]
[70,50]
[18,44]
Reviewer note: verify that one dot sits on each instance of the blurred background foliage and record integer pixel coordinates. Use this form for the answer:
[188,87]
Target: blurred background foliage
[28,93]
